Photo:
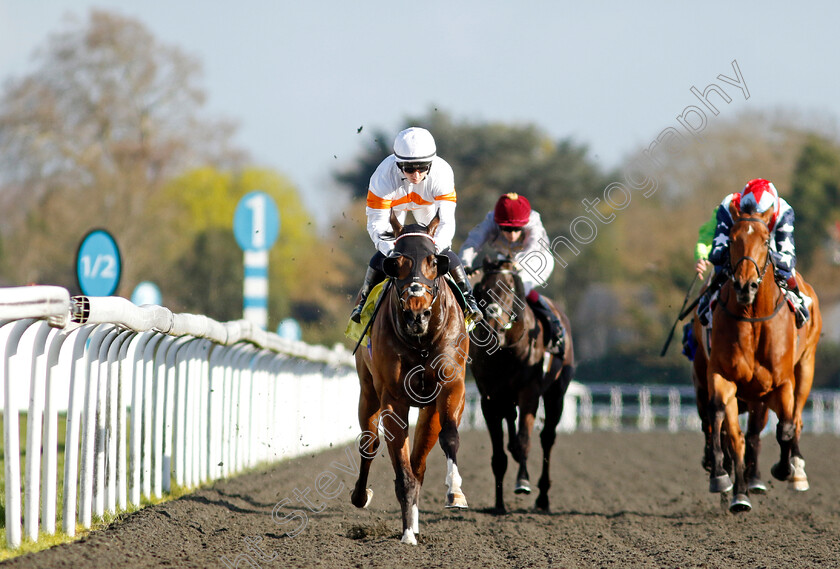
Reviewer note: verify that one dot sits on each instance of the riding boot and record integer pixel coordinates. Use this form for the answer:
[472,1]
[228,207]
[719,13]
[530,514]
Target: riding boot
[459,276]
[800,308]
[555,338]
[704,303]
[372,278]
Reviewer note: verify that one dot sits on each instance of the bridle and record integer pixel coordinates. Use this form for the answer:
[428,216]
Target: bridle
[417,284]
[761,272]
[513,316]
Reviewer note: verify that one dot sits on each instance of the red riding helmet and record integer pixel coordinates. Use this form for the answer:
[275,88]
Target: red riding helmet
[759,195]
[512,210]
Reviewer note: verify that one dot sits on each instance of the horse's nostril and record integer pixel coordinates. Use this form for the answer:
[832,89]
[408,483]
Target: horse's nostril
[754,286]
[427,313]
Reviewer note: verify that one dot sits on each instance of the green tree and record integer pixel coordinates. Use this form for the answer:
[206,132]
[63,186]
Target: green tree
[815,196]
[90,137]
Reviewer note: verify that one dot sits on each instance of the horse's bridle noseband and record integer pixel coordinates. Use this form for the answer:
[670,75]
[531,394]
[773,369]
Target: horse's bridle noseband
[761,271]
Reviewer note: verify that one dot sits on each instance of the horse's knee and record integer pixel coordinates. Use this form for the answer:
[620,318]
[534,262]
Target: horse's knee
[499,463]
[785,431]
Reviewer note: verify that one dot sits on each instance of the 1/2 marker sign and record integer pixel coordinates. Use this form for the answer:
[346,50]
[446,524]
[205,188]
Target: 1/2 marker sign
[98,264]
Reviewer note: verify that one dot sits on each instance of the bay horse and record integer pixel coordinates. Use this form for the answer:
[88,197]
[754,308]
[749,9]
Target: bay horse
[416,357]
[507,360]
[759,356]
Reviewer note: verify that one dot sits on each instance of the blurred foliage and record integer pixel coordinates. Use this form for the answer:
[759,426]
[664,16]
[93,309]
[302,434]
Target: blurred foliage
[816,193]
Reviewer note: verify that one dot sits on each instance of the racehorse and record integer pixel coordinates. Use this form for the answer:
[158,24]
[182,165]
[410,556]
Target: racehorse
[416,357]
[507,358]
[756,420]
[758,355]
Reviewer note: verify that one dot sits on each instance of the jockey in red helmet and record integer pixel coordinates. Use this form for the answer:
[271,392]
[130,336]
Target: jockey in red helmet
[758,195]
[516,230]
[414,178]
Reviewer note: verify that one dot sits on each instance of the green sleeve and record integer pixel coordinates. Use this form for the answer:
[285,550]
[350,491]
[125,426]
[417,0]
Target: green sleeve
[704,238]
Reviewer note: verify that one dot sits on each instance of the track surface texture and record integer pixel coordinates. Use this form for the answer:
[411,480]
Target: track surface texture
[618,500]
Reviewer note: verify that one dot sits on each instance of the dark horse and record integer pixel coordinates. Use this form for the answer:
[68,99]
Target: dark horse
[758,356]
[507,359]
[416,358]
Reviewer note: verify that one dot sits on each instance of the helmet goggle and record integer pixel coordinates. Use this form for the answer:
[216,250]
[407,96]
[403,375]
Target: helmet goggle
[412,167]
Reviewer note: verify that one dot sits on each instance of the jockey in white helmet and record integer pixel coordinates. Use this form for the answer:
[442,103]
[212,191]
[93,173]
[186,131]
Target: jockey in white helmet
[414,178]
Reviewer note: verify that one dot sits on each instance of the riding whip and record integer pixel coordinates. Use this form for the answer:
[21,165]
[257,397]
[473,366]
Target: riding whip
[682,314]
[373,316]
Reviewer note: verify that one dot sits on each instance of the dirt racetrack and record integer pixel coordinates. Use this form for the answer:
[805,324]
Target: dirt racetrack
[618,500]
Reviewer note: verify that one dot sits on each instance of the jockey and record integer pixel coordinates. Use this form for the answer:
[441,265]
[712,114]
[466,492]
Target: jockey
[514,229]
[758,195]
[414,179]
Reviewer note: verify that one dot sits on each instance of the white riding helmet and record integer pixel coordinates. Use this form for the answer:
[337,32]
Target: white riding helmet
[414,144]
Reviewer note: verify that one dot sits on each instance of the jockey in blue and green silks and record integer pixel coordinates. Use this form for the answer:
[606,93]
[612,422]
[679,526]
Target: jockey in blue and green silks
[758,195]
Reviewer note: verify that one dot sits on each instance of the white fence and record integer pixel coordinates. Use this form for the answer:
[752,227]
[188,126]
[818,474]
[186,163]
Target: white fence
[147,395]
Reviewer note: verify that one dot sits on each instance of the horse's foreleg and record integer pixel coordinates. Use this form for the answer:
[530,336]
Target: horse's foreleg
[528,403]
[740,500]
[498,462]
[450,407]
[719,480]
[553,403]
[757,419]
[368,444]
[406,486]
[788,468]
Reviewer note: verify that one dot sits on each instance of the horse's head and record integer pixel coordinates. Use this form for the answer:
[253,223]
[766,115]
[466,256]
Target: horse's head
[749,251]
[501,295]
[415,267]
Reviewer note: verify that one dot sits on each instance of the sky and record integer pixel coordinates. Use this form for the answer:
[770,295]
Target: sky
[300,78]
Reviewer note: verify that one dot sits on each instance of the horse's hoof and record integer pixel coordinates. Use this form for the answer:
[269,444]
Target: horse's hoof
[368,498]
[408,537]
[740,503]
[456,500]
[799,480]
[756,486]
[720,483]
[781,471]
[522,486]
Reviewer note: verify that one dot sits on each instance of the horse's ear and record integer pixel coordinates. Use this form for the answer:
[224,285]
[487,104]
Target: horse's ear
[391,266]
[395,223]
[442,265]
[433,224]
[734,212]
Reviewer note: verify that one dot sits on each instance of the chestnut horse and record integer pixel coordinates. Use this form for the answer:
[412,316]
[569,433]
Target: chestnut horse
[756,420]
[507,358]
[759,356]
[416,357]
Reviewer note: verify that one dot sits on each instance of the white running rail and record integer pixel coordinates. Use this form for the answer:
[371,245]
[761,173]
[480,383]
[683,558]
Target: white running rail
[148,395]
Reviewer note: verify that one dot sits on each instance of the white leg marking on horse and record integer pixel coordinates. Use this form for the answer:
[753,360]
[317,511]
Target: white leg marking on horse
[408,537]
[454,497]
[453,478]
[415,519]
[369,494]
[799,480]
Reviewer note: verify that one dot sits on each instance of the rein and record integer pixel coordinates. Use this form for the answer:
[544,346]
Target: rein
[761,272]
[514,317]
